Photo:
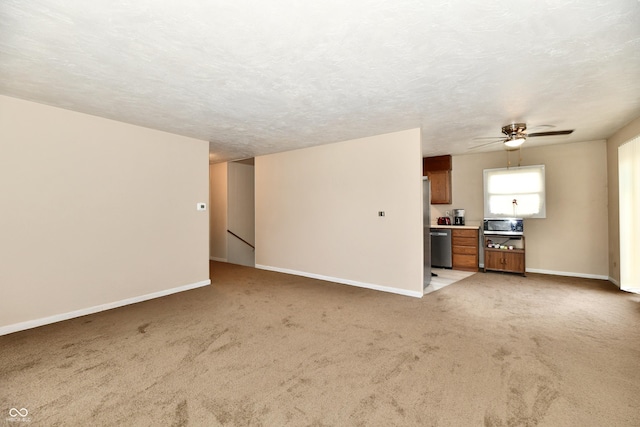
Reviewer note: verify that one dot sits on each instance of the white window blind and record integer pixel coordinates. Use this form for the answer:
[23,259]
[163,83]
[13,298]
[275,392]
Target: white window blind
[517,192]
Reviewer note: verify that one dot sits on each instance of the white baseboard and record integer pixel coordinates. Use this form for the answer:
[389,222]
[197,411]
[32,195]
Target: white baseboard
[415,294]
[614,281]
[4,330]
[213,258]
[567,273]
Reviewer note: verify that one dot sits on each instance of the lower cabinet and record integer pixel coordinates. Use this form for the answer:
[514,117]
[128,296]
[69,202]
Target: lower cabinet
[507,260]
[464,249]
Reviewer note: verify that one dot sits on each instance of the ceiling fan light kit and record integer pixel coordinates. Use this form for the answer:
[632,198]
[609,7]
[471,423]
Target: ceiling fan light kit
[515,142]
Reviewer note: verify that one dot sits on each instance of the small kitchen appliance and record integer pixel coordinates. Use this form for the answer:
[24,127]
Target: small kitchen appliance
[444,220]
[503,226]
[458,216]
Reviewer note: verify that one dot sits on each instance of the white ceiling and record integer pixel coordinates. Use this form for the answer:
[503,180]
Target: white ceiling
[257,77]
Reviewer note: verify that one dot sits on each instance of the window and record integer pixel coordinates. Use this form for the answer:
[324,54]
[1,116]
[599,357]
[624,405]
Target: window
[628,179]
[514,192]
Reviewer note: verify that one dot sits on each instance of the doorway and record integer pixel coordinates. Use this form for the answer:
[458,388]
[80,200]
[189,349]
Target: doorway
[241,216]
[232,213]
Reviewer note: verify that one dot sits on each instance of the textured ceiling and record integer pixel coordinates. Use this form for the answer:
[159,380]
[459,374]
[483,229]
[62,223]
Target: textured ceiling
[257,77]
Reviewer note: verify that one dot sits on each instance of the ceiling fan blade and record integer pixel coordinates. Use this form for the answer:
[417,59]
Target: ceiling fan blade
[539,127]
[550,133]
[486,144]
[477,138]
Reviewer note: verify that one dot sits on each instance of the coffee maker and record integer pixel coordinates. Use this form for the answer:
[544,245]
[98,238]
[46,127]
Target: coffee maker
[458,217]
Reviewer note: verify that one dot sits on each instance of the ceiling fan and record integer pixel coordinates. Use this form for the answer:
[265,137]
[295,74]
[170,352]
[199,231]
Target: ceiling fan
[516,134]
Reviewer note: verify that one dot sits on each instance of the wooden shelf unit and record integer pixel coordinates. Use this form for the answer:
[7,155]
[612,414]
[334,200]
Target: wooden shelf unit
[505,260]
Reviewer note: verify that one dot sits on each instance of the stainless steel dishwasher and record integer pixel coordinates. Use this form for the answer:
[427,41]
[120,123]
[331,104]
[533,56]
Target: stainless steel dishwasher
[441,247]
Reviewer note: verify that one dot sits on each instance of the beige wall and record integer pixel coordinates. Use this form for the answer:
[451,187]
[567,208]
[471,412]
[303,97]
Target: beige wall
[625,134]
[218,214]
[573,238]
[94,212]
[317,212]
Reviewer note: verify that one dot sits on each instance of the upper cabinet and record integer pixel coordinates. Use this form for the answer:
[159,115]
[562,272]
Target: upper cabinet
[438,170]
[440,187]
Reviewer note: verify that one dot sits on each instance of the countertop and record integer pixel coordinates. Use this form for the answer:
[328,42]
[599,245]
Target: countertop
[463,227]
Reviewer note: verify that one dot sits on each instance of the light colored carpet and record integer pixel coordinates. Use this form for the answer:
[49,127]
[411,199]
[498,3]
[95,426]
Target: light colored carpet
[267,349]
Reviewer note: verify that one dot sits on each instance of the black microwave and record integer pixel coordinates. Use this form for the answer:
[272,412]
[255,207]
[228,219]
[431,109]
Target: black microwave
[507,226]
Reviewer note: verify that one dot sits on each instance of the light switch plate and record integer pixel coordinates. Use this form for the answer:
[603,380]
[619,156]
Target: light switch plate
[201,206]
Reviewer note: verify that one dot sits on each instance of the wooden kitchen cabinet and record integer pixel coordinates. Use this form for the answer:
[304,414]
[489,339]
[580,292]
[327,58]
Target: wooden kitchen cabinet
[440,187]
[438,170]
[507,260]
[464,248]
